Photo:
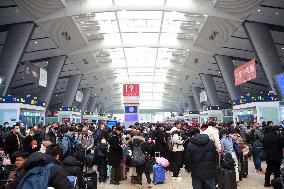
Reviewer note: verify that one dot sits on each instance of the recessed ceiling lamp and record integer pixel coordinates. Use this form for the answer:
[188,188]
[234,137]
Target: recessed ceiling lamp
[172,84]
[35,42]
[88,34]
[277,13]
[282,48]
[258,10]
[178,70]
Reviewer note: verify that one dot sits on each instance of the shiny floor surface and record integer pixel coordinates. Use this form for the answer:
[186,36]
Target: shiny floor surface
[254,181]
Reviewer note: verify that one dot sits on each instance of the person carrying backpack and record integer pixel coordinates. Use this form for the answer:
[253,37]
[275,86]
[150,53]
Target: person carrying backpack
[140,158]
[101,152]
[41,171]
[71,146]
[227,146]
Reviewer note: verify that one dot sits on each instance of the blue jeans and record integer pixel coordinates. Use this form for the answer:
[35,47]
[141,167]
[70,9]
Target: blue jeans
[257,153]
[201,184]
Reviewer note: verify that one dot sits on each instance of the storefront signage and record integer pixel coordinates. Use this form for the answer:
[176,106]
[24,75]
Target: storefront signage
[245,72]
[130,89]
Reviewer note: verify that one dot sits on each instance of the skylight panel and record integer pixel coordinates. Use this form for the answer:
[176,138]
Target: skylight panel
[105,15]
[139,15]
[107,26]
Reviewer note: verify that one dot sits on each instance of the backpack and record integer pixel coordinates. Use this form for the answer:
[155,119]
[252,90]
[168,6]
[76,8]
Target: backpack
[75,150]
[250,137]
[138,157]
[227,162]
[37,177]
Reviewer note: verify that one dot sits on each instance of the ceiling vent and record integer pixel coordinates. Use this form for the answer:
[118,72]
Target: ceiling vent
[196,61]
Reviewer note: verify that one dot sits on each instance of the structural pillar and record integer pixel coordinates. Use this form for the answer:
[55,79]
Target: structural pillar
[226,67]
[15,44]
[71,89]
[210,88]
[86,97]
[263,44]
[54,68]
[191,103]
[196,95]
[92,104]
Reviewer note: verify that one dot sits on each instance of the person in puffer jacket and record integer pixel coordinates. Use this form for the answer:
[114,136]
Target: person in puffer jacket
[71,167]
[178,148]
[138,140]
[202,160]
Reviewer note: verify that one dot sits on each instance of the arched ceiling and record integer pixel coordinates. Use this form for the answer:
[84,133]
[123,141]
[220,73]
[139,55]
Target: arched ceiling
[161,44]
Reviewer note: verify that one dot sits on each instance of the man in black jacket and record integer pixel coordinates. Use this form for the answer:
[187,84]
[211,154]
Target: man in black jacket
[273,144]
[201,156]
[13,142]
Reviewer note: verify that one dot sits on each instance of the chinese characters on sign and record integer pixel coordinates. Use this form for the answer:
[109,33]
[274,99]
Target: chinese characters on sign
[245,72]
[130,89]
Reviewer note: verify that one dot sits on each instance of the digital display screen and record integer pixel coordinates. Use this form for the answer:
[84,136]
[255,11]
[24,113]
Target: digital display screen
[131,117]
[280,83]
[131,109]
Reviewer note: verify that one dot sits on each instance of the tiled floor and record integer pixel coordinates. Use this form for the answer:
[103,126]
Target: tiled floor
[254,181]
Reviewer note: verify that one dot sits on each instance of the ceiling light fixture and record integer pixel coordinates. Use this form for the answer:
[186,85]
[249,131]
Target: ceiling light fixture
[258,10]
[277,13]
[282,48]
[35,42]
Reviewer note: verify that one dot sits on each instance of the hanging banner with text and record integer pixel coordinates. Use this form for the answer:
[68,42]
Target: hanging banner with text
[130,89]
[245,72]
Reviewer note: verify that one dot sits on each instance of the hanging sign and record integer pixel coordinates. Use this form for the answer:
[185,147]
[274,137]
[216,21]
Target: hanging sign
[130,89]
[245,72]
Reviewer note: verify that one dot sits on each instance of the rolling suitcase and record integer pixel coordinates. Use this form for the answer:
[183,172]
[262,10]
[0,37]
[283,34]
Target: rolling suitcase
[229,179]
[159,176]
[245,169]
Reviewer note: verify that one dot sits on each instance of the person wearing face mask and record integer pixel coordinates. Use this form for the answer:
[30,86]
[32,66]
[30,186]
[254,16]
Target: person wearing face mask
[12,142]
[51,135]
[30,144]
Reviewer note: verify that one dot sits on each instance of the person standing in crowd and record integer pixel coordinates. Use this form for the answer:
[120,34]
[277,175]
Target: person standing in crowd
[101,152]
[213,134]
[86,139]
[30,145]
[115,154]
[177,150]
[67,141]
[71,167]
[100,132]
[13,142]
[227,146]
[51,135]
[201,157]
[21,157]
[160,139]
[273,144]
[257,143]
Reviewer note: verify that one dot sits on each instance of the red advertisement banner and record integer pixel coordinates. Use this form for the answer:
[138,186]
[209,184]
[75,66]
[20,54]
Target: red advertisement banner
[245,72]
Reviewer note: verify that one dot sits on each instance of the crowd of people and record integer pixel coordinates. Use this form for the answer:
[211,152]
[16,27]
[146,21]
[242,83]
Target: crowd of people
[65,149]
